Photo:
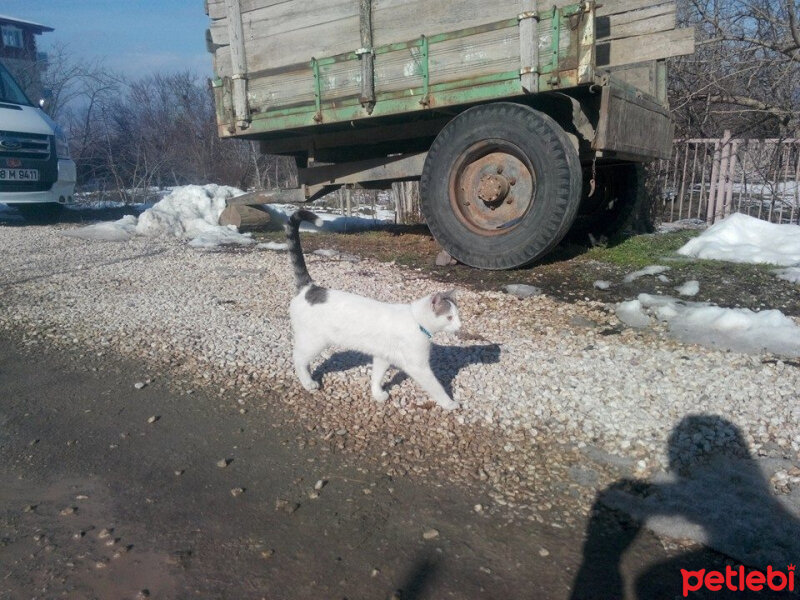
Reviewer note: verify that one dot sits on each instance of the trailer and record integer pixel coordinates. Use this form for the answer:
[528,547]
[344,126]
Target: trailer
[519,118]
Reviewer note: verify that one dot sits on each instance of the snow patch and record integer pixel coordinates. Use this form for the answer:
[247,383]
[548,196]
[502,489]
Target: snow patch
[112,231]
[689,288]
[651,270]
[522,290]
[736,329]
[601,284]
[743,239]
[632,315]
[790,274]
[277,246]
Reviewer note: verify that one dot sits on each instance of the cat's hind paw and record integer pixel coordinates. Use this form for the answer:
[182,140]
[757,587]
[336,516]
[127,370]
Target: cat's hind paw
[383,396]
[311,386]
[449,404]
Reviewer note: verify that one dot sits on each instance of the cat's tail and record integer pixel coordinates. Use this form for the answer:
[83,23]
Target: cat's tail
[292,228]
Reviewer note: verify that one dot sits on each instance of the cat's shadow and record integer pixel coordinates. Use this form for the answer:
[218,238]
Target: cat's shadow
[446,362]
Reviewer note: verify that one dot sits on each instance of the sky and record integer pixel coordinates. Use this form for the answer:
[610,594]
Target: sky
[133,37]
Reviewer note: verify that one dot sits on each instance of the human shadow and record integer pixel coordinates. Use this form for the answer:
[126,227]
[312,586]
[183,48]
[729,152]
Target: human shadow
[716,494]
[446,362]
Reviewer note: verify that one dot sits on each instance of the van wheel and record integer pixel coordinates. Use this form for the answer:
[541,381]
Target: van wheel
[501,185]
[44,212]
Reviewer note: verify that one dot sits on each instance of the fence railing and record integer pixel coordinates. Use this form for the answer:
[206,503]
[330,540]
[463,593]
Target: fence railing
[708,179]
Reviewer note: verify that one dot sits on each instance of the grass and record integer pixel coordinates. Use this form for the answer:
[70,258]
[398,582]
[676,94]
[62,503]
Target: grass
[642,250]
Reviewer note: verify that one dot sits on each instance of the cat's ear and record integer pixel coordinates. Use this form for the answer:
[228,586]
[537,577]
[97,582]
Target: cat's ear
[436,299]
[451,294]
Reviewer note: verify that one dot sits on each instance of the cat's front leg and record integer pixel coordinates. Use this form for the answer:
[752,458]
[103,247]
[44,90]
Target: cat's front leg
[425,377]
[379,367]
[302,358]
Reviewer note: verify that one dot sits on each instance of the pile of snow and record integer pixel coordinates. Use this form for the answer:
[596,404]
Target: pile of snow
[193,212]
[602,284]
[737,329]
[743,239]
[189,212]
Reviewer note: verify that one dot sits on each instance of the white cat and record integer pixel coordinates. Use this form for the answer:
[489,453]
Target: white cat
[393,334]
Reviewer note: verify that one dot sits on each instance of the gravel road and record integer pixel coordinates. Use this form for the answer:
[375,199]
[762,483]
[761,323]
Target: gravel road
[553,393]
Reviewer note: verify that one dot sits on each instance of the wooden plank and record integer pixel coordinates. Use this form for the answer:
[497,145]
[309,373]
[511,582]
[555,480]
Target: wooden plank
[642,22]
[645,47]
[402,20]
[216,8]
[238,63]
[633,127]
[292,47]
[639,75]
[614,7]
[528,47]
[288,17]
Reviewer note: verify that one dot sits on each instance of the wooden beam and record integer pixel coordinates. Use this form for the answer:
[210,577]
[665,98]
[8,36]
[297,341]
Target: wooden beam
[645,47]
[244,217]
[238,64]
[388,168]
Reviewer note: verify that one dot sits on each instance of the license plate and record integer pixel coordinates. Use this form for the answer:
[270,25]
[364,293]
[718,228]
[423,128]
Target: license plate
[19,175]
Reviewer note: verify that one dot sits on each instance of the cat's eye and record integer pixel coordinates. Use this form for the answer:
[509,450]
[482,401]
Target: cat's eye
[449,317]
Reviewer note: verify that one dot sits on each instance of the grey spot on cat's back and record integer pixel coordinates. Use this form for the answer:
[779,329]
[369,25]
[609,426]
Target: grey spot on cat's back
[316,295]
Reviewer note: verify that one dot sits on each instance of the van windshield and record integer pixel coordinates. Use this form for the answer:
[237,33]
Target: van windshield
[10,90]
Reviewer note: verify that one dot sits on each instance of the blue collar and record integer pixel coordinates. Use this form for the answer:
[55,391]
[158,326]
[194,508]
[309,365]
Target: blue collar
[425,331]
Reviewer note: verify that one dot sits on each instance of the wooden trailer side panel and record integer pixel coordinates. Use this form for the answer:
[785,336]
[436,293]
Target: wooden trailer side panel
[303,59]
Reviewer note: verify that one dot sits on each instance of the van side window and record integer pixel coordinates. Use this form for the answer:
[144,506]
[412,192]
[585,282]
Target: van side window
[10,91]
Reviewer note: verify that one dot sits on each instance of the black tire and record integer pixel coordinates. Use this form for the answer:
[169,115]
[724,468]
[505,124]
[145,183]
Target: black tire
[616,208]
[536,185]
[43,212]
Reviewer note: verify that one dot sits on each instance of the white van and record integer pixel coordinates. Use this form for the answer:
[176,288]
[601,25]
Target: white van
[37,176]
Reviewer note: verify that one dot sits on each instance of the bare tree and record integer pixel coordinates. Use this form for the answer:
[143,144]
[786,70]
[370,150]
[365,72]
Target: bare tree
[745,73]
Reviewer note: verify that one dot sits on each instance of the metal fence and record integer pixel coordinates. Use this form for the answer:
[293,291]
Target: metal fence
[708,179]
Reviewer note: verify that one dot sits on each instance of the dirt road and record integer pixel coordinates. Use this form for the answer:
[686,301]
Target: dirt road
[101,503]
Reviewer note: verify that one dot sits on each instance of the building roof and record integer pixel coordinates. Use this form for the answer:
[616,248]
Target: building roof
[38,27]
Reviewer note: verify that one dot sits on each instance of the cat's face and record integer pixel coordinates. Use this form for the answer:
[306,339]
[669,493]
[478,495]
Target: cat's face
[445,312]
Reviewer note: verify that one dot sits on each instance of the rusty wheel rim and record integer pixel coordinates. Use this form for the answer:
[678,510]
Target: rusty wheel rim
[492,187]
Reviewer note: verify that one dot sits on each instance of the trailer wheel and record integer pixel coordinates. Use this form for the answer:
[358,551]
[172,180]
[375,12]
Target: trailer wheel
[501,185]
